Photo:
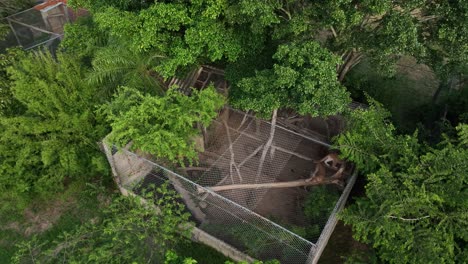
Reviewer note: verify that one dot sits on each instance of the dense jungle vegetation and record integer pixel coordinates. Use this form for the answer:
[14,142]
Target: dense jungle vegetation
[57,199]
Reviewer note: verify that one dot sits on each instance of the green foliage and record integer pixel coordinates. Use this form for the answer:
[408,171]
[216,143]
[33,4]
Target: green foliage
[371,140]
[97,4]
[317,208]
[200,252]
[116,65]
[83,38]
[415,209]
[10,7]
[361,257]
[162,126]
[185,33]
[463,134]
[447,40]
[254,244]
[432,32]
[9,105]
[173,258]
[78,203]
[303,79]
[55,137]
[129,231]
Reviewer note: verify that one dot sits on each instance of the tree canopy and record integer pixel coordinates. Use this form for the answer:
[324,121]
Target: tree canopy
[239,33]
[303,79]
[416,197]
[54,135]
[382,30]
[111,72]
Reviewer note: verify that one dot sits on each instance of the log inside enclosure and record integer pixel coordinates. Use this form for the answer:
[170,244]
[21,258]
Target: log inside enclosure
[288,184]
[194,169]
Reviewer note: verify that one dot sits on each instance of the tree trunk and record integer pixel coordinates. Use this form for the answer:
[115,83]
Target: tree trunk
[435,97]
[352,59]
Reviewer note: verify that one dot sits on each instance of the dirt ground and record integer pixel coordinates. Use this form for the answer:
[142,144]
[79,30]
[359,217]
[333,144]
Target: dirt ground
[38,221]
[284,205]
[341,245]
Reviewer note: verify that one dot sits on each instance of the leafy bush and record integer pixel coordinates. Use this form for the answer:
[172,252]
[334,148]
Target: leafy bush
[54,137]
[317,208]
[162,126]
[129,231]
[415,205]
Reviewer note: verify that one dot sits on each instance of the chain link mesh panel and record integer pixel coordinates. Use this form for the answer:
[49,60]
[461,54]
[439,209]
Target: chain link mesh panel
[226,220]
[282,223]
[32,28]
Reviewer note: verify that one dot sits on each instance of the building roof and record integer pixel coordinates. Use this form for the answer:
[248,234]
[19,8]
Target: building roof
[49,4]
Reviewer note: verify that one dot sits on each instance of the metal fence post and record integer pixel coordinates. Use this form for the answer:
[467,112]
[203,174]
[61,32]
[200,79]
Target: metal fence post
[316,252]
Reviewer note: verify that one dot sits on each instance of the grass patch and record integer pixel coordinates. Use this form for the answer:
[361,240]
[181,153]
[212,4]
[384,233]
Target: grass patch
[8,239]
[78,204]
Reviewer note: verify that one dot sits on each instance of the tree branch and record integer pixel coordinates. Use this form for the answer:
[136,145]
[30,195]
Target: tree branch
[251,155]
[333,31]
[297,183]
[292,153]
[267,144]
[286,12]
[351,60]
[232,162]
[408,219]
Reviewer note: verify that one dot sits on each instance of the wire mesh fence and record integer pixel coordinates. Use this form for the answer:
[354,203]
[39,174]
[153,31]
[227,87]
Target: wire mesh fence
[36,27]
[240,227]
[265,223]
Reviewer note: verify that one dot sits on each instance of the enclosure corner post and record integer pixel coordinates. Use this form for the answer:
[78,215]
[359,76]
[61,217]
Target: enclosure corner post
[316,252]
[14,32]
[110,159]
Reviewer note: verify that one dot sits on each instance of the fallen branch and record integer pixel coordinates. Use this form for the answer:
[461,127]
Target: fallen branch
[292,153]
[267,144]
[243,121]
[333,32]
[194,168]
[288,184]
[251,155]
[295,119]
[232,162]
[304,132]
[241,132]
[407,219]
